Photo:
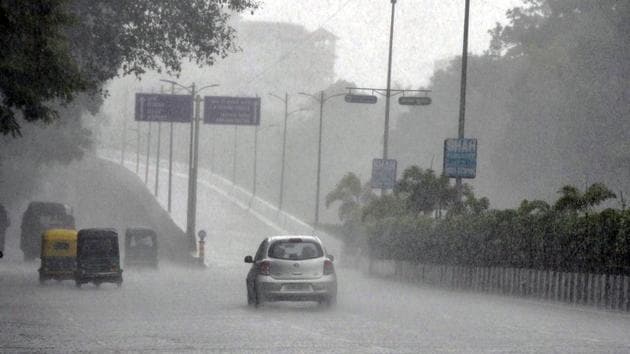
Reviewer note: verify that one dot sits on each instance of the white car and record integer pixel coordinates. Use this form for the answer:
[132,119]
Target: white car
[291,268]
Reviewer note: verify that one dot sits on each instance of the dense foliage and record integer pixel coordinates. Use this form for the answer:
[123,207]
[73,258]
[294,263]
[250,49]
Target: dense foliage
[568,236]
[56,49]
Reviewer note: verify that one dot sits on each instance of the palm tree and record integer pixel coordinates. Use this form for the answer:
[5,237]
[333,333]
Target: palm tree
[351,195]
[574,200]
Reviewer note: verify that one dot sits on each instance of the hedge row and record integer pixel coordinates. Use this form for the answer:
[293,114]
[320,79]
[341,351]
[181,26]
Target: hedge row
[559,241]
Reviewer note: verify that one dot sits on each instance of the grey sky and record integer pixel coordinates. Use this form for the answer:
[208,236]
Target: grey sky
[426,31]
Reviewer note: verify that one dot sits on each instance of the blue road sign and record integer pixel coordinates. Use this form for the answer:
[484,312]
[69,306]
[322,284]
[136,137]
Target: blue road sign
[460,158]
[384,173]
[231,110]
[156,107]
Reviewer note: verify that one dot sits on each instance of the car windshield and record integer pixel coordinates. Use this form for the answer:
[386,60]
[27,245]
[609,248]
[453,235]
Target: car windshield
[141,241]
[295,250]
[98,247]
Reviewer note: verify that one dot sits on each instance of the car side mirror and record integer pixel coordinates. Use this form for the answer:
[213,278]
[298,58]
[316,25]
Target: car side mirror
[331,257]
[248,259]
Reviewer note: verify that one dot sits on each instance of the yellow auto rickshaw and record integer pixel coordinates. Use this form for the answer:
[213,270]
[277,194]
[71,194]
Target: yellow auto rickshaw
[59,254]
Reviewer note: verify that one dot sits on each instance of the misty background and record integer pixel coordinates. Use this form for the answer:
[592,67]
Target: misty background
[547,100]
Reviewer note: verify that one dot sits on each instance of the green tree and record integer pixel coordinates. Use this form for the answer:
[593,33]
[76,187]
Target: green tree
[351,195]
[424,192]
[574,200]
[54,49]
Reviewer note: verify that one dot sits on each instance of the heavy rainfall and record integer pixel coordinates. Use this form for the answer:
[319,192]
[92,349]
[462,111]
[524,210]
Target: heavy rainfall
[351,176]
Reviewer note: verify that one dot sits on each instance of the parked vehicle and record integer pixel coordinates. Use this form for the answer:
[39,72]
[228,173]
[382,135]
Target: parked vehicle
[141,247]
[58,255]
[98,257]
[291,268]
[39,217]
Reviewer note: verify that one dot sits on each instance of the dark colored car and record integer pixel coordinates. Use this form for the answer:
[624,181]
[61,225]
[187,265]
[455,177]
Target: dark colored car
[39,217]
[98,257]
[141,248]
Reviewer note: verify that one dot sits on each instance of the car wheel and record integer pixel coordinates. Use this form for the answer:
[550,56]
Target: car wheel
[77,284]
[259,297]
[330,301]
[42,280]
[97,284]
[251,299]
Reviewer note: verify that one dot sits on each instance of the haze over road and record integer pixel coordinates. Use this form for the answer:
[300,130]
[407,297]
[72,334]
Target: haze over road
[178,309]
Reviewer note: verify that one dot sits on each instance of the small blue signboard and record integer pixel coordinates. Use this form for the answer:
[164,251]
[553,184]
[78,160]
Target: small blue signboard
[460,158]
[231,110]
[155,107]
[384,173]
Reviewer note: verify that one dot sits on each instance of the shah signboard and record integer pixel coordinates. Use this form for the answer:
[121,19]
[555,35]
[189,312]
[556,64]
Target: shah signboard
[460,158]
[155,107]
[384,173]
[231,110]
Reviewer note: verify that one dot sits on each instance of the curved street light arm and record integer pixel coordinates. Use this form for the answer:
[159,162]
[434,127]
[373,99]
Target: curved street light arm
[207,86]
[276,96]
[176,84]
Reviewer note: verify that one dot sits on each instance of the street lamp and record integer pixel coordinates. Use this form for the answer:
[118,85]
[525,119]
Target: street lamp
[193,159]
[321,99]
[285,100]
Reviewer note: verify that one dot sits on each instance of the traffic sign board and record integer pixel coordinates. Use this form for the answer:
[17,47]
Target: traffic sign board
[384,173]
[414,100]
[155,107]
[231,110]
[360,98]
[460,158]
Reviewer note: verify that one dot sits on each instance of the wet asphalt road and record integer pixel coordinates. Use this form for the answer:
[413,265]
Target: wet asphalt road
[177,309]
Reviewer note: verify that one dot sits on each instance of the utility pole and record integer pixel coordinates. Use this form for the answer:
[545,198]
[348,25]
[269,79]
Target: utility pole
[146,170]
[462,94]
[388,90]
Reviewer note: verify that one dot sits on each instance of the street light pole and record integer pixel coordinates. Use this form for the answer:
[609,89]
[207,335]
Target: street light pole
[138,148]
[321,101]
[170,159]
[234,156]
[255,162]
[319,159]
[389,80]
[462,93]
[146,169]
[157,157]
[124,140]
[284,150]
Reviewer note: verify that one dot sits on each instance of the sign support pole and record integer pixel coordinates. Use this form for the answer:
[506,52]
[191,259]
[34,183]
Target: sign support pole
[190,217]
[462,94]
[388,92]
